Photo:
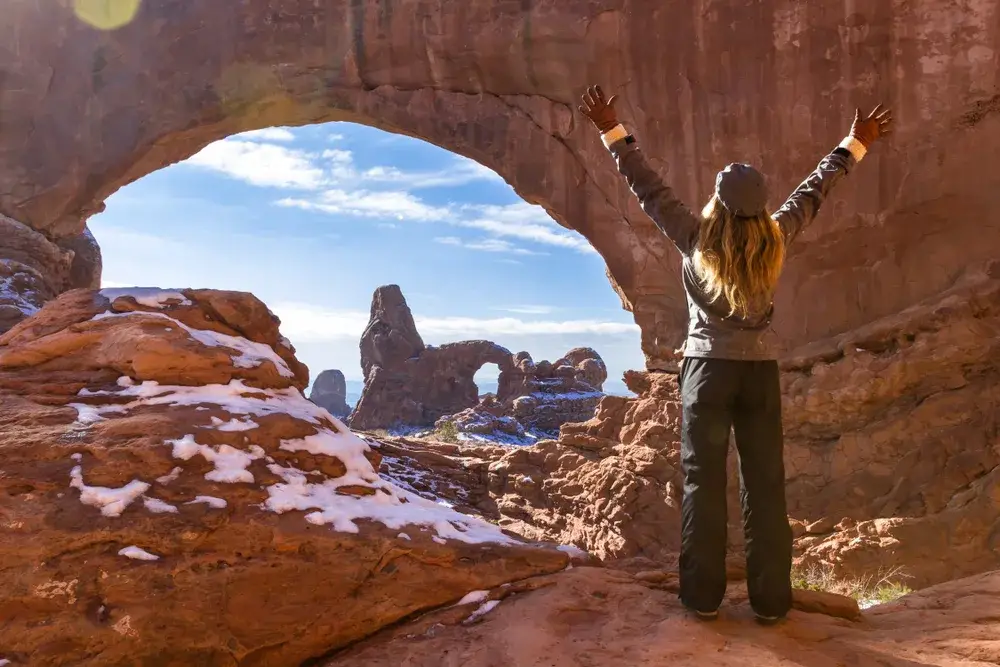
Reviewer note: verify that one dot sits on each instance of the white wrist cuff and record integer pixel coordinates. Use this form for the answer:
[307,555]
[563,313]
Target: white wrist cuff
[855,147]
[616,133]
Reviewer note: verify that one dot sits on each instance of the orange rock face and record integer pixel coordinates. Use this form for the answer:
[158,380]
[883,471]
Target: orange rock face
[169,495]
[92,110]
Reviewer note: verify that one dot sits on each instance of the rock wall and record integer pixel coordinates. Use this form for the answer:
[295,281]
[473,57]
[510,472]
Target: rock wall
[170,497]
[34,270]
[774,83]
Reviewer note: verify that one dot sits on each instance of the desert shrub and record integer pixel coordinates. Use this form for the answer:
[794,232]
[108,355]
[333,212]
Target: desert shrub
[878,588]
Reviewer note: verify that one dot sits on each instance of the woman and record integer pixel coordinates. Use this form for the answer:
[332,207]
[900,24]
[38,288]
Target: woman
[732,257]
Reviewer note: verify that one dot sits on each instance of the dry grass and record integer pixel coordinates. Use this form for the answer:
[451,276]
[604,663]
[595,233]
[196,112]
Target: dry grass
[878,588]
[447,432]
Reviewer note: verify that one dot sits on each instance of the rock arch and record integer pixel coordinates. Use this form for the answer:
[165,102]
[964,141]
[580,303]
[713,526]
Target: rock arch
[408,383]
[85,112]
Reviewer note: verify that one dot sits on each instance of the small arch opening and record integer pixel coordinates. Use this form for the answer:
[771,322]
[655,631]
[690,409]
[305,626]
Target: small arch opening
[486,379]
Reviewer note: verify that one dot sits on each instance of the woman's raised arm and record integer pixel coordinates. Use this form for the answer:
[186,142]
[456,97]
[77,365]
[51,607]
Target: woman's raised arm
[802,206]
[657,199]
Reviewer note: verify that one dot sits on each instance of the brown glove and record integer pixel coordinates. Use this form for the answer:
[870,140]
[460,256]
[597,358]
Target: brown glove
[869,129]
[601,112]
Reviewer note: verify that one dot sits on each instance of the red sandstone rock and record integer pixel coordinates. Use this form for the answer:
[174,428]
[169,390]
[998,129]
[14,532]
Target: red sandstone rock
[391,336]
[148,516]
[88,112]
[87,266]
[33,270]
[191,337]
[606,617]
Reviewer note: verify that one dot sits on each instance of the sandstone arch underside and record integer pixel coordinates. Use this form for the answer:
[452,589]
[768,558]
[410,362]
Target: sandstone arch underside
[702,82]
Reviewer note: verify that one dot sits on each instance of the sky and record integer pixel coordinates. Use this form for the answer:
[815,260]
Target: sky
[312,219]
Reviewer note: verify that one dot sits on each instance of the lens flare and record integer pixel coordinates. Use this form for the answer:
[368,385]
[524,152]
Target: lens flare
[106,14]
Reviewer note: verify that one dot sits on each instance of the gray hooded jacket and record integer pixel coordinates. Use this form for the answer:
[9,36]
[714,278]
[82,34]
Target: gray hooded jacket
[712,332]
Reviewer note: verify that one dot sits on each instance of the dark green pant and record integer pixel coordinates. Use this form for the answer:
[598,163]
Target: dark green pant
[719,394]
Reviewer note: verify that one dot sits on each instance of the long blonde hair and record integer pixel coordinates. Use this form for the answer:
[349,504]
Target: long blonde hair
[738,257]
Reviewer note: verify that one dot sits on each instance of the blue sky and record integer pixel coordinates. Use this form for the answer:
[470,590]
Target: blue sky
[313,219]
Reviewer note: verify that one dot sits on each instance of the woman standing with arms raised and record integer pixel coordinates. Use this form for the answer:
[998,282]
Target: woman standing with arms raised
[732,255]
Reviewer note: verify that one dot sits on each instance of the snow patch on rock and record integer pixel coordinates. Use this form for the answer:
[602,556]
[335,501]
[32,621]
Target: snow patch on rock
[151,297]
[157,506]
[327,501]
[111,502]
[251,354]
[211,501]
[136,553]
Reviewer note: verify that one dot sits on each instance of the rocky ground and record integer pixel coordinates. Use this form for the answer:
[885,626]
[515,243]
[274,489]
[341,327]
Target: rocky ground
[589,617]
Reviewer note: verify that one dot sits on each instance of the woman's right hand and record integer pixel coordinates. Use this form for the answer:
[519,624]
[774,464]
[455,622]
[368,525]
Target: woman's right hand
[600,111]
[876,125]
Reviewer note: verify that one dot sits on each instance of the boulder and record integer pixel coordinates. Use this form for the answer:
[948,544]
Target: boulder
[329,391]
[171,497]
[535,400]
[182,337]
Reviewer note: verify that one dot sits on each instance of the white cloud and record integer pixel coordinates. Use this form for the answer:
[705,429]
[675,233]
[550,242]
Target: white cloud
[342,189]
[267,134]
[398,205]
[468,327]
[486,245]
[463,171]
[248,157]
[524,221]
[307,323]
[260,164]
[526,309]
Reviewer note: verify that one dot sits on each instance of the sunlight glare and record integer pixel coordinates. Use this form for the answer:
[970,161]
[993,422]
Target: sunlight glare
[106,14]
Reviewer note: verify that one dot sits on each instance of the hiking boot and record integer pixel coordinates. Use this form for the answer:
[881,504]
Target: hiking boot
[768,620]
[703,615]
